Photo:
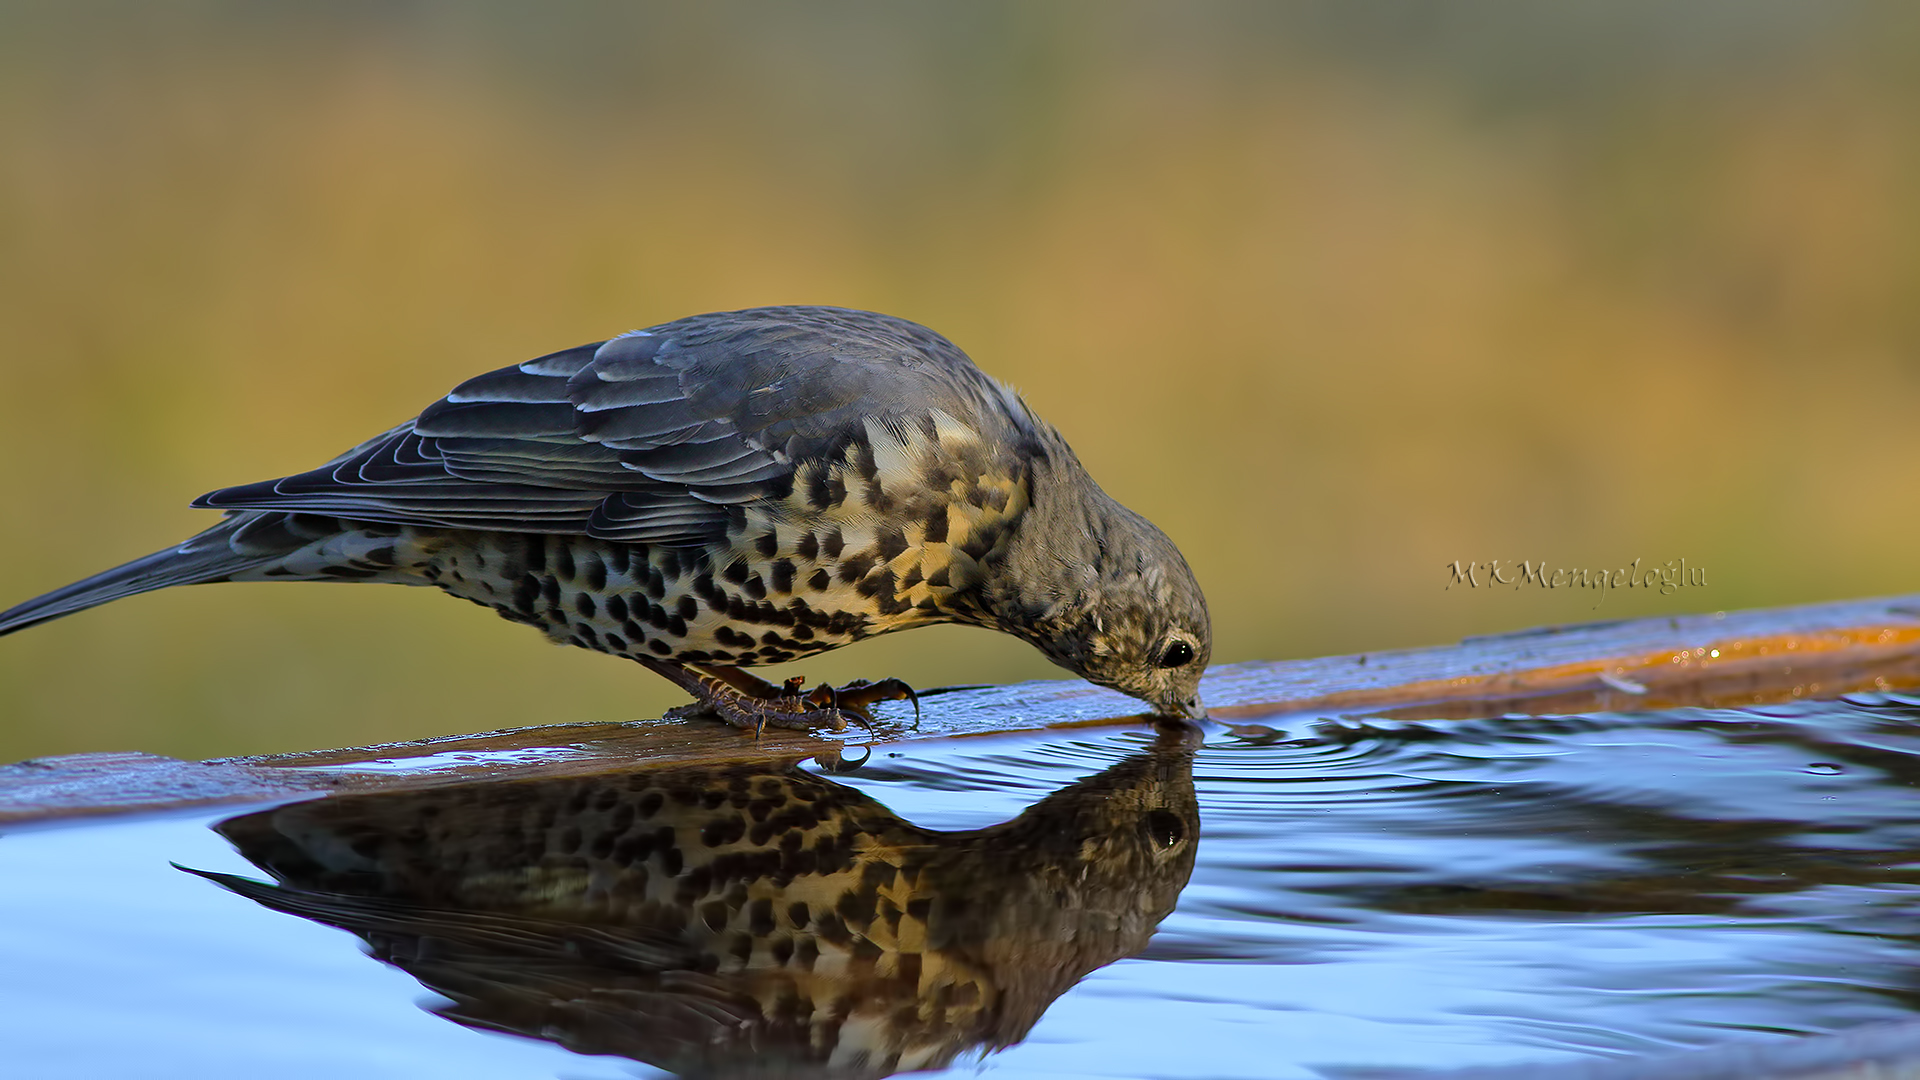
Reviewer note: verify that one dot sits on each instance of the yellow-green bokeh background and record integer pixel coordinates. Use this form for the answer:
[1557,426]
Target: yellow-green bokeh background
[1336,293]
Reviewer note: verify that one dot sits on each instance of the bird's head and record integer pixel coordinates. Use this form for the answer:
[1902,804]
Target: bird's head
[1145,632]
[1112,600]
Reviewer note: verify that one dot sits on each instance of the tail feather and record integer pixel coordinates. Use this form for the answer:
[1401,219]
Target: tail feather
[243,542]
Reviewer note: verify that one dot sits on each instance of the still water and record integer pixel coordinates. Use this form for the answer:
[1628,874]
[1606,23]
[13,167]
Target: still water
[1316,897]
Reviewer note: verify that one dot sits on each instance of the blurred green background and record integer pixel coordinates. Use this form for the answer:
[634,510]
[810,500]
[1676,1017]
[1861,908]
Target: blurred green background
[1337,293]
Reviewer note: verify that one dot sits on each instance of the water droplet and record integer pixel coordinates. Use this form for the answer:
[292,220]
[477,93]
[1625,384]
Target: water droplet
[1825,768]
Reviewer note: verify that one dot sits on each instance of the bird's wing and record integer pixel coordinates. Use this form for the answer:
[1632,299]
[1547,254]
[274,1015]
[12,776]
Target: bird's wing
[654,435]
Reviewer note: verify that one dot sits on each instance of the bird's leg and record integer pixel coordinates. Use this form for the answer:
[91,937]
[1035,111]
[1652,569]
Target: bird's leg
[743,700]
[748,701]
[853,700]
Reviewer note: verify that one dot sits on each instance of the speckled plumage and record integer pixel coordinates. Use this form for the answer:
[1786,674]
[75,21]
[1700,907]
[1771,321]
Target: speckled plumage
[746,920]
[727,490]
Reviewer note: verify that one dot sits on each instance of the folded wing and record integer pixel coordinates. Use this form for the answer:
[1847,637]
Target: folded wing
[651,436]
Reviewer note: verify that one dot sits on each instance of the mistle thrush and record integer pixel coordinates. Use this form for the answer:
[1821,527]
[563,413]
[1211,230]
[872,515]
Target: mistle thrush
[722,491]
[751,920]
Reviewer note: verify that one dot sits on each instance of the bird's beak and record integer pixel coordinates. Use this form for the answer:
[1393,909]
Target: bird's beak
[1190,709]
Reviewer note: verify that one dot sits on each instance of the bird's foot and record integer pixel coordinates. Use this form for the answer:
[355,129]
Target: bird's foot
[749,702]
[858,696]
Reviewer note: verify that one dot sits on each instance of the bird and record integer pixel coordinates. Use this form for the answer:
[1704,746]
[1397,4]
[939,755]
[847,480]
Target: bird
[751,919]
[722,491]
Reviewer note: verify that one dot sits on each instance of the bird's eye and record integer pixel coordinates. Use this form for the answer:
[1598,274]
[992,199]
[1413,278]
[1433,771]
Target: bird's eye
[1178,653]
[1164,829]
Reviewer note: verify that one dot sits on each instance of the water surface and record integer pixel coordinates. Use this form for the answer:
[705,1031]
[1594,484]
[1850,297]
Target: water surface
[1357,896]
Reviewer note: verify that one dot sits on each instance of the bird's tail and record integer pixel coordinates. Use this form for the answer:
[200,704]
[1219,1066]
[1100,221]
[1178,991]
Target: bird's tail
[242,545]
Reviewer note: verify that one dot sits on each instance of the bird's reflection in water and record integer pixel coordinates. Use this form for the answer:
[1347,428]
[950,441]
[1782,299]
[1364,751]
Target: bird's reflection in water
[740,920]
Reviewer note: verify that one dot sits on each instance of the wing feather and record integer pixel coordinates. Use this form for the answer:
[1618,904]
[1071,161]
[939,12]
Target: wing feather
[564,363]
[497,419]
[507,384]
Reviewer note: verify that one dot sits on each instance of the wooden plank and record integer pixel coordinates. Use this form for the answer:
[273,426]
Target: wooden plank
[1723,659]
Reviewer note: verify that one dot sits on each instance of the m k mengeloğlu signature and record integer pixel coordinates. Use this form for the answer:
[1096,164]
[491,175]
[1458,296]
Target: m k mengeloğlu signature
[1671,575]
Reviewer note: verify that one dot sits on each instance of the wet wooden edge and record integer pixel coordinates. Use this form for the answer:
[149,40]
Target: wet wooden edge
[1717,660]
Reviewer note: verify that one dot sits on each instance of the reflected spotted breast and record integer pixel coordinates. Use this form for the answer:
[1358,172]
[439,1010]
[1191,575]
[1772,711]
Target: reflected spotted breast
[739,920]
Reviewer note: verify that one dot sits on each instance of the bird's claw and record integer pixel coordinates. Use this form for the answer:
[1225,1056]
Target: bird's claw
[856,698]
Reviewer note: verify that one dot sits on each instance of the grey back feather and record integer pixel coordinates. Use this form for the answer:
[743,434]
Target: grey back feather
[653,435]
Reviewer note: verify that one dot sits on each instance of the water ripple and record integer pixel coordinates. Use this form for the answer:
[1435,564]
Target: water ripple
[1366,893]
